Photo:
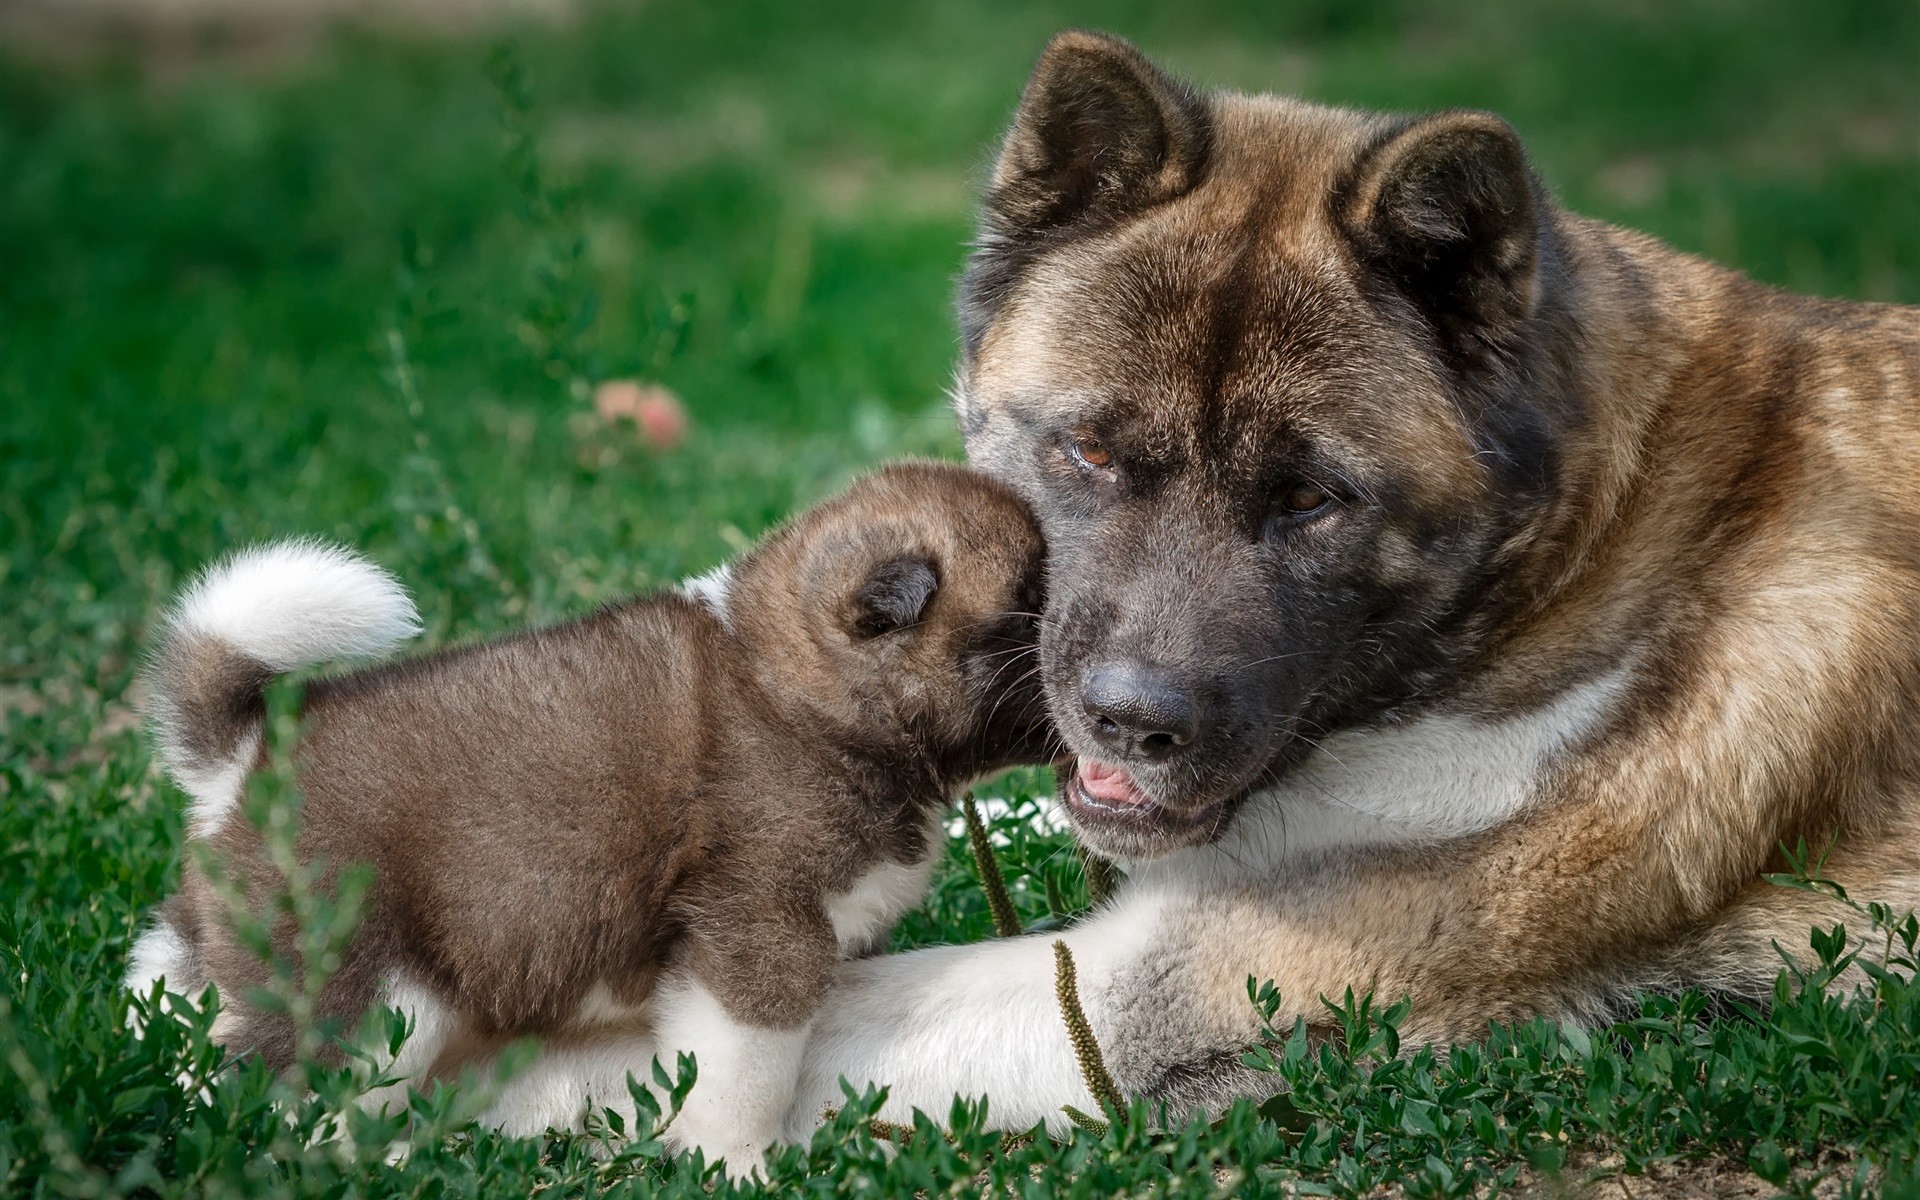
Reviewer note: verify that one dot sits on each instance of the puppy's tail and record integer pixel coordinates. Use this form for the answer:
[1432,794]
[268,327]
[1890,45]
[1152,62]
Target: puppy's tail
[265,611]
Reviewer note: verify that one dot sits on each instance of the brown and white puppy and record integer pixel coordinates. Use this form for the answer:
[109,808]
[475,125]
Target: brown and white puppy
[679,811]
[1449,595]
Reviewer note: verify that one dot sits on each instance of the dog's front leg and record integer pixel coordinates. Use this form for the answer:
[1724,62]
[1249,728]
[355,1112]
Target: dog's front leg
[968,1021]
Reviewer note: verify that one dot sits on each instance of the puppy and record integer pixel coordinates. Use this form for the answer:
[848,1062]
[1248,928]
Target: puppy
[683,809]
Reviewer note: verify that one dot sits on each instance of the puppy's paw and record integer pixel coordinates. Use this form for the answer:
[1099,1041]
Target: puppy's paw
[740,1156]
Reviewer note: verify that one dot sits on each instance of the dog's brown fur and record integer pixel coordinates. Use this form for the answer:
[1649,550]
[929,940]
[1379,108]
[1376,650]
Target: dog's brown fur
[1559,455]
[579,807]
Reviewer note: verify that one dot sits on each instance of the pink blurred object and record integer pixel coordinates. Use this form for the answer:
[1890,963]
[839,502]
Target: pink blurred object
[654,410]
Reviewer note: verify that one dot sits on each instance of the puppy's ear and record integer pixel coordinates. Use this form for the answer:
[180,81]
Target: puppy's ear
[894,596]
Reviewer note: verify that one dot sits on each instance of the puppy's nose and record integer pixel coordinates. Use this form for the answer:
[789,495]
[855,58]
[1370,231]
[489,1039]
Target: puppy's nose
[1139,711]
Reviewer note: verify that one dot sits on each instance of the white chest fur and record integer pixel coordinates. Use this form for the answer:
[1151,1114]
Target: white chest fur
[864,913]
[1431,780]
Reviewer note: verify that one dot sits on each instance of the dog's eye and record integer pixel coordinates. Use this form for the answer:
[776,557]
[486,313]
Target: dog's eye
[1305,499]
[1093,454]
[1301,504]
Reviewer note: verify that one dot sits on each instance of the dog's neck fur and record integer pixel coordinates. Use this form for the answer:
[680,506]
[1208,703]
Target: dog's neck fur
[1622,331]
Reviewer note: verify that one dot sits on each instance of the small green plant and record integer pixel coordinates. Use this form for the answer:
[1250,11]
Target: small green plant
[1086,1047]
[1005,922]
[1891,962]
[296,917]
[562,303]
[434,502]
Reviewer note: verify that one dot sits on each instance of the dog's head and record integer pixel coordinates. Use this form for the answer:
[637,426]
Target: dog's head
[1277,380]
[902,616]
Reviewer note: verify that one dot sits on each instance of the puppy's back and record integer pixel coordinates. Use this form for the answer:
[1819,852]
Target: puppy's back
[549,781]
[603,704]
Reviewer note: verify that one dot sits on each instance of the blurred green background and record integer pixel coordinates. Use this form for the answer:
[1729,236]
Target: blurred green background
[221,251]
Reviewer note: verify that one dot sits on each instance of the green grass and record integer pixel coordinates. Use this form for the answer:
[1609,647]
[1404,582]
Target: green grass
[354,296]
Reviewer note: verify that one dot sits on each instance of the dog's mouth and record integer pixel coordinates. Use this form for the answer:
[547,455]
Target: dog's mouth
[1113,813]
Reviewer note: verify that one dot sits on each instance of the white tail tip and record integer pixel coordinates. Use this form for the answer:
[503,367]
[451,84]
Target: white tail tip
[292,604]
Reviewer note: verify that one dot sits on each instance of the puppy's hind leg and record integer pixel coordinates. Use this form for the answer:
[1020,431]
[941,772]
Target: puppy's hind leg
[742,1006]
[433,1023]
[747,1074]
[163,955]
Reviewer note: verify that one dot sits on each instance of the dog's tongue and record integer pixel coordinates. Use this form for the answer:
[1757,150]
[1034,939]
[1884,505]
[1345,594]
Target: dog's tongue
[1109,785]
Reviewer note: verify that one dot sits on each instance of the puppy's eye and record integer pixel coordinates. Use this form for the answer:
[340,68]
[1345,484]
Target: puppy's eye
[1305,499]
[1092,455]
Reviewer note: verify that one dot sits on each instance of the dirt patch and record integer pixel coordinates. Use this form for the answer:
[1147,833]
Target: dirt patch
[1694,1179]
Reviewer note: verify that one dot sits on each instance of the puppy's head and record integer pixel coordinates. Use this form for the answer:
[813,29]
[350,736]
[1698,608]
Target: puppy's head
[902,616]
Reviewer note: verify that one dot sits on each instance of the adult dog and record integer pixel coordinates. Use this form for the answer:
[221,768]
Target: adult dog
[1449,595]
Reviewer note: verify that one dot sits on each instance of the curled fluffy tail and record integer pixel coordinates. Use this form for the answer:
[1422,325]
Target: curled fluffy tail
[262,613]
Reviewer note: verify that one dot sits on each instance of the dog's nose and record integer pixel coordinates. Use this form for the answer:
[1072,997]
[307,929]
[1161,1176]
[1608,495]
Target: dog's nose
[1137,710]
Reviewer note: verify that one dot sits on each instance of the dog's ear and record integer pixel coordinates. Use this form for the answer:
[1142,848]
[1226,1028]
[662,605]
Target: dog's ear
[1100,130]
[894,596]
[1444,210]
